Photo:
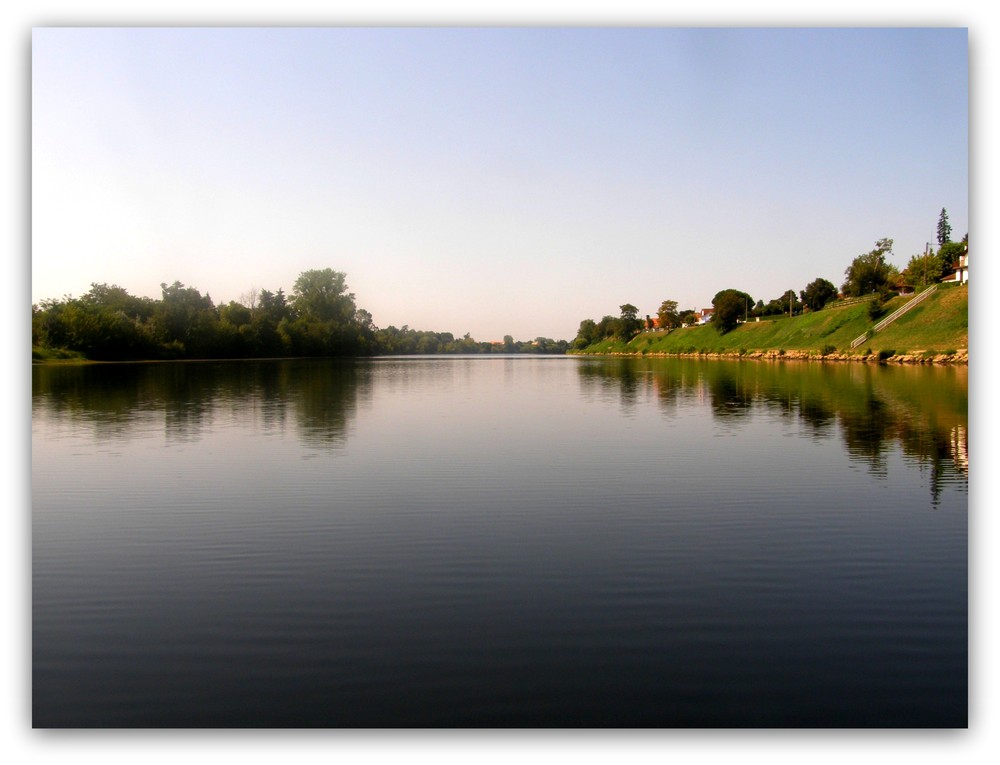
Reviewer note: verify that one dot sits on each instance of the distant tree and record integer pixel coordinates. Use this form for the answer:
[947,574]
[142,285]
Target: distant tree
[186,321]
[943,229]
[272,306]
[786,304]
[630,323]
[322,295]
[667,316]
[688,317]
[925,268]
[949,254]
[818,293]
[235,313]
[870,273]
[364,320]
[585,335]
[608,326]
[115,298]
[251,300]
[729,307]
[790,303]
[324,320]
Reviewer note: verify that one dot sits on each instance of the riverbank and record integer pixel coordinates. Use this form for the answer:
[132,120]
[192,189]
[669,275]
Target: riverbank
[934,332]
[957,358]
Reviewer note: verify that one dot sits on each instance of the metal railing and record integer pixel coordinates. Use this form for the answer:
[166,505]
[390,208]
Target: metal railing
[914,301]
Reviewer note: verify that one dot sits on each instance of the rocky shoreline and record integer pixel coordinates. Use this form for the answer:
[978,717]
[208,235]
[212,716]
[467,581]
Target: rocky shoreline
[958,358]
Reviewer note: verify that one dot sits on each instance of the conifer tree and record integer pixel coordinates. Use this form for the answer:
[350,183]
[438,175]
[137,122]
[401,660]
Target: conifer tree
[944,229]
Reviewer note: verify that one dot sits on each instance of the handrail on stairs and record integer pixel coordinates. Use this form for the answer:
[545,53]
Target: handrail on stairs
[915,300]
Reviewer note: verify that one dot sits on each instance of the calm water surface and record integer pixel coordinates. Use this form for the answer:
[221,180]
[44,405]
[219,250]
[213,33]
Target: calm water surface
[499,542]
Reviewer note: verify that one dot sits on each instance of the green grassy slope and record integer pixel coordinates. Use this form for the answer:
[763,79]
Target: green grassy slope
[939,325]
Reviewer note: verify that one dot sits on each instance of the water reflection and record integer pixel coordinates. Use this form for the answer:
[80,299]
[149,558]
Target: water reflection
[872,410]
[923,411]
[187,400]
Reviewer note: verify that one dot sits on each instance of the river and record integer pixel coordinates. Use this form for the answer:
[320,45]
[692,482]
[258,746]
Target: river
[499,542]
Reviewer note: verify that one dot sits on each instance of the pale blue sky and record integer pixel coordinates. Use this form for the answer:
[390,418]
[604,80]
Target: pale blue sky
[491,181]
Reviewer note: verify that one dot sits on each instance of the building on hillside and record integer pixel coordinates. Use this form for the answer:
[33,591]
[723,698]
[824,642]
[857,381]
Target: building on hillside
[961,273]
[705,315]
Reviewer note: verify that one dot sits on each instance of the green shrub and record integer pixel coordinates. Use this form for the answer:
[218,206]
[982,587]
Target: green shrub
[826,350]
[875,308]
[883,355]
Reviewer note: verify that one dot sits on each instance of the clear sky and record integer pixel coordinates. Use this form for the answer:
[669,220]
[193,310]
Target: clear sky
[491,180]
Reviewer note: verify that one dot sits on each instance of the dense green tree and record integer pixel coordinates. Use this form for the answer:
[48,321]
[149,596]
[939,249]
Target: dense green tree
[609,326]
[787,304]
[321,295]
[320,320]
[115,298]
[324,320]
[667,315]
[818,293]
[949,254]
[235,314]
[99,332]
[729,306]
[272,306]
[943,229]
[630,325]
[923,269]
[586,334]
[870,273]
[185,322]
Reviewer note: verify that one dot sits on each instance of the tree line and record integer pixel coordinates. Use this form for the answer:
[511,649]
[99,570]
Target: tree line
[319,318]
[869,274]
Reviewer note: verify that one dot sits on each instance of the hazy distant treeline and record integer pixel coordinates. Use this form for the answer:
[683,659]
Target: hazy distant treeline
[319,318]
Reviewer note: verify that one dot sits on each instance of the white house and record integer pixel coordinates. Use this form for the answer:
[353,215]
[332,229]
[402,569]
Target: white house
[961,275]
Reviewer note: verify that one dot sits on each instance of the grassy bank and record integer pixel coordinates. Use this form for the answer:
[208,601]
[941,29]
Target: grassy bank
[55,355]
[937,327]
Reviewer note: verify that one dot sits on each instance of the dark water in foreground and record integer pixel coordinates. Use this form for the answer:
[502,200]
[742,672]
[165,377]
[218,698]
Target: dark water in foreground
[499,542]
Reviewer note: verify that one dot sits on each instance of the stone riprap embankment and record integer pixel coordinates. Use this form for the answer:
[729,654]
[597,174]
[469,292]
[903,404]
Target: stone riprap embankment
[960,357]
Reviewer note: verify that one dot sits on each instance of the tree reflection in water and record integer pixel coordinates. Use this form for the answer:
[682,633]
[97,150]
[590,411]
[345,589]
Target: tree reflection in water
[184,398]
[923,410]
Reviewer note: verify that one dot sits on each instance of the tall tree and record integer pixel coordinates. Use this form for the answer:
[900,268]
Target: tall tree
[322,295]
[585,335]
[944,229]
[870,272]
[630,322]
[818,293]
[667,316]
[185,320]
